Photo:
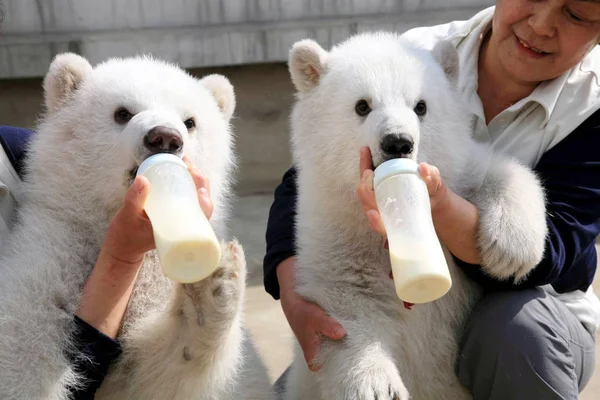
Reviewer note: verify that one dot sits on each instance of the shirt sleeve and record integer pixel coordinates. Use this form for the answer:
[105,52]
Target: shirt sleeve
[280,235]
[570,173]
[94,352]
[14,142]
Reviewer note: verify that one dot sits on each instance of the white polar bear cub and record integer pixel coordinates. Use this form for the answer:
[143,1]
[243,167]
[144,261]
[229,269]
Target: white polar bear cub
[378,90]
[179,341]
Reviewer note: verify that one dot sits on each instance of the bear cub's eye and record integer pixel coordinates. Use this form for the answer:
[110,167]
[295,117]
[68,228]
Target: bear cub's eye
[362,108]
[421,108]
[122,116]
[190,124]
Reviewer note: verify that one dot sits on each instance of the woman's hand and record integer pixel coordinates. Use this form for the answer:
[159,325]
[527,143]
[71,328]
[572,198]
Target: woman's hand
[128,237]
[438,192]
[307,320]
[454,218]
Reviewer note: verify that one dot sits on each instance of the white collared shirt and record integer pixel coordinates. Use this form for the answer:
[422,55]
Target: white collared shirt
[9,185]
[554,109]
[533,125]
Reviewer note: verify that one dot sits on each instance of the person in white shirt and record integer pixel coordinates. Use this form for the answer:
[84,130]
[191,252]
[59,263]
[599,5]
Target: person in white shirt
[530,73]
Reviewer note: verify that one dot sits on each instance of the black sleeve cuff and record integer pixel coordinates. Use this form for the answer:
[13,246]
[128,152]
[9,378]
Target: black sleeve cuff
[94,352]
[280,234]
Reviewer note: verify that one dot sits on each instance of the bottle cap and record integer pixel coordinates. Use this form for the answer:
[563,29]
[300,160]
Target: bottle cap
[156,159]
[393,167]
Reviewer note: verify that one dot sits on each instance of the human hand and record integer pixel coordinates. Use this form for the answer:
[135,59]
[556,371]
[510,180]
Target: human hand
[129,236]
[307,320]
[437,189]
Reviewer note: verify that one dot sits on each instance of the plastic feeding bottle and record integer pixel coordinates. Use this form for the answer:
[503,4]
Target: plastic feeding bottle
[418,264]
[186,244]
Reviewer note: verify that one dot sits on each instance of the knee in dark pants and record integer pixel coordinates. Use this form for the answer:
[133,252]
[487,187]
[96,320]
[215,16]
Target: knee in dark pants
[515,348]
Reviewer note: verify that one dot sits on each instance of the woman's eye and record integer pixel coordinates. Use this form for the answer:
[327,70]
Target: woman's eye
[574,17]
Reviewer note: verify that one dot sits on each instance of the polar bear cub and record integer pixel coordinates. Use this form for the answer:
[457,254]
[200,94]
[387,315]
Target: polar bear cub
[378,90]
[179,341]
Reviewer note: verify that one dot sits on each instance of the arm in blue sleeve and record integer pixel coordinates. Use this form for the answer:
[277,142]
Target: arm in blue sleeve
[94,352]
[14,142]
[570,172]
[280,235]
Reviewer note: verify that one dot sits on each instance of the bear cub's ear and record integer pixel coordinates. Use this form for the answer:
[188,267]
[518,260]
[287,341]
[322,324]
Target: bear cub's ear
[222,90]
[446,55]
[307,63]
[67,72]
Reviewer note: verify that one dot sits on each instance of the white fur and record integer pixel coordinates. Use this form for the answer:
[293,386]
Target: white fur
[390,352]
[179,341]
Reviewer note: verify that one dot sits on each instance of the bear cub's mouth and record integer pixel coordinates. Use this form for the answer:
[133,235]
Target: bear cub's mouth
[132,173]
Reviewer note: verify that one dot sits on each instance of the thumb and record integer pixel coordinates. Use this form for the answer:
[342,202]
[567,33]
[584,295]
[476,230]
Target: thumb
[136,196]
[205,201]
[310,348]
[376,222]
[366,160]
[330,327]
[424,170]
[430,175]
[326,326]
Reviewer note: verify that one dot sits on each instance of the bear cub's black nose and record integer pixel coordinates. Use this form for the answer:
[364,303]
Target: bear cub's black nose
[161,139]
[397,145]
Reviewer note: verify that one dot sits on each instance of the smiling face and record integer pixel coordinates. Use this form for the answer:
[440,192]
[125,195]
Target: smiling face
[537,40]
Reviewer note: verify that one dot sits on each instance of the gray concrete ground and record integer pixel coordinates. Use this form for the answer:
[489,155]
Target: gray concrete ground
[266,321]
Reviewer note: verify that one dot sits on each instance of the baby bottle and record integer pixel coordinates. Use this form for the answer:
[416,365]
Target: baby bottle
[186,244]
[418,264]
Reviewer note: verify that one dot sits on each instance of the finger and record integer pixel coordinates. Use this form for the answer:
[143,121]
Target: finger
[430,175]
[326,326]
[206,203]
[310,349]
[365,191]
[202,186]
[200,180]
[313,366]
[330,327]
[424,170]
[376,222]
[187,161]
[366,160]
[136,196]
[431,172]
[434,173]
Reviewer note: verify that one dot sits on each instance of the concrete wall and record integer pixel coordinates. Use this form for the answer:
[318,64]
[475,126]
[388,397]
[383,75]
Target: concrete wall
[199,33]
[246,40]
[264,98]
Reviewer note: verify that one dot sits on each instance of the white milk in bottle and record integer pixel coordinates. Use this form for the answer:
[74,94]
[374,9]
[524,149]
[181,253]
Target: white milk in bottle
[185,242]
[418,264]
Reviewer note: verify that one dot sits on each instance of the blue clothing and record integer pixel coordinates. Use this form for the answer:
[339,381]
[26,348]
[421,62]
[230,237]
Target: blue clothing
[14,141]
